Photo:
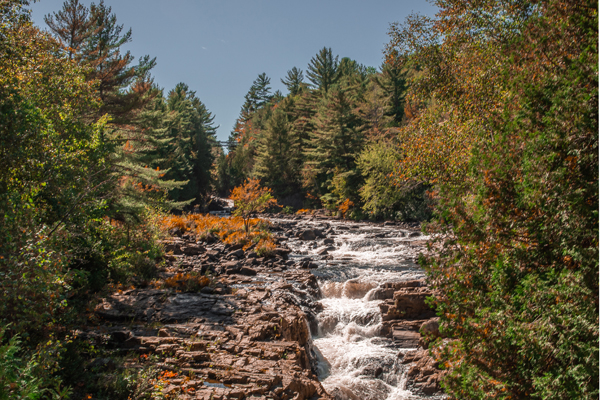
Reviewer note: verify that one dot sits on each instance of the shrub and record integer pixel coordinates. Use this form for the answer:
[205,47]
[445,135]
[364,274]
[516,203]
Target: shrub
[187,282]
[230,230]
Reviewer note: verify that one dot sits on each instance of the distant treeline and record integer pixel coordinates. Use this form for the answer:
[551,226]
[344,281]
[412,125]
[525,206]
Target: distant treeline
[331,141]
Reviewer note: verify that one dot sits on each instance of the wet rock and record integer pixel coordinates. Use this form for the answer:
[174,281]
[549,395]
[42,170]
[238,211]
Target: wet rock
[308,264]
[324,250]
[328,241]
[308,234]
[404,284]
[381,293]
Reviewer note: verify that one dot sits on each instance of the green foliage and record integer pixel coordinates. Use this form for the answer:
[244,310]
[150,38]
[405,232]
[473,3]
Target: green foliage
[335,143]
[294,81]
[310,141]
[323,70]
[18,378]
[517,273]
[182,149]
[258,95]
[381,195]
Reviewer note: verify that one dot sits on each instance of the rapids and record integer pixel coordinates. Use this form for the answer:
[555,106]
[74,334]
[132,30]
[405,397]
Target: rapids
[355,362]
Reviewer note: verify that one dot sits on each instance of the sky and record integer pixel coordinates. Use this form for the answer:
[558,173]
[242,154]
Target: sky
[219,47]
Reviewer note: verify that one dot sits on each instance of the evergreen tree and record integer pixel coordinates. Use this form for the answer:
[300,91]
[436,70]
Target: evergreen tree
[273,161]
[393,81]
[184,136]
[258,95]
[301,116]
[71,26]
[335,143]
[121,86]
[294,80]
[323,70]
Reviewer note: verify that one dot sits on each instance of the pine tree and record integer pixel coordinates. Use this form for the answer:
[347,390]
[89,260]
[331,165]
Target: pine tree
[258,95]
[393,81]
[294,81]
[323,70]
[71,26]
[336,141]
[184,132]
[273,161]
[121,87]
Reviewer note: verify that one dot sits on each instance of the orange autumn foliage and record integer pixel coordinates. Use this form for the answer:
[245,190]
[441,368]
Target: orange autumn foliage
[229,230]
[251,198]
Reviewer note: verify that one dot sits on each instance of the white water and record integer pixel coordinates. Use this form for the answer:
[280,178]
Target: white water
[356,363]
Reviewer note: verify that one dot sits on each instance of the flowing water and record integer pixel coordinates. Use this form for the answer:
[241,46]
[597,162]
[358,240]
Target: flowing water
[355,361]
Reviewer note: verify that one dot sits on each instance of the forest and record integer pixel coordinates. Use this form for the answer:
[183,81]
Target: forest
[481,124]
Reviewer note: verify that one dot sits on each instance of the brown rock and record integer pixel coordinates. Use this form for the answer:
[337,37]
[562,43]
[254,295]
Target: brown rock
[308,234]
[410,302]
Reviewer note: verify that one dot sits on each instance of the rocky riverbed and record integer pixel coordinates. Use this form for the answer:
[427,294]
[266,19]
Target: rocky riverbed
[335,313]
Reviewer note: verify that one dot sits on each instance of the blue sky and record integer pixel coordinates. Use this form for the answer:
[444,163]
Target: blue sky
[218,47]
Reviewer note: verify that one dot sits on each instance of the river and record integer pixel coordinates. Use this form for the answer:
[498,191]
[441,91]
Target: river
[354,360]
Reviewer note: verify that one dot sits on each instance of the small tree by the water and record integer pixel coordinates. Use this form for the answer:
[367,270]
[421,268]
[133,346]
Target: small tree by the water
[251,198]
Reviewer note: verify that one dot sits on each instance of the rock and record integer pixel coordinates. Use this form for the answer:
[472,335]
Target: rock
[431,328]
[213,254]
[414,234]
[381,293]
[410,302]
[282,251]
[328,241]
[323,251]
[406,339]
[252,254]
[319,233]
[193,250]
[207,290]
[424,373]
[210,238]
[237,253]
[231,265]
[247,271]
[308,264]
[404,284]
[163,333]
[308,234]
[233,247]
